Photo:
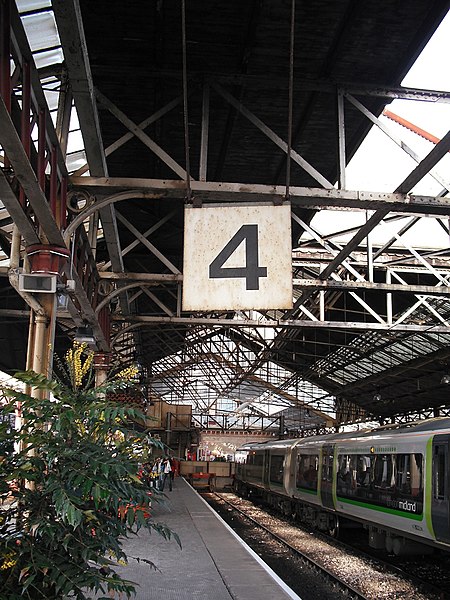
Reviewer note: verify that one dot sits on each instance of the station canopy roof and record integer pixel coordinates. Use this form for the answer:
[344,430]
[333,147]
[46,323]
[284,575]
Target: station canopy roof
[156,92]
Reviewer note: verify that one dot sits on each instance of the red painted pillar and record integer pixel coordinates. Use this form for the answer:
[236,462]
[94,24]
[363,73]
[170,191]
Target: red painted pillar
[41,149]
[5,48]
[25,130]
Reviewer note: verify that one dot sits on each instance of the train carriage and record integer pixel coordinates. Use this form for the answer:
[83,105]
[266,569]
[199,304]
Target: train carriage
[394,480]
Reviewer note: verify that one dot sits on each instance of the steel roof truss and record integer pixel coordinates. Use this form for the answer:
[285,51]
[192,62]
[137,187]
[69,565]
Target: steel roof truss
[397,140]
[143,137]
[273,137]
[148,244]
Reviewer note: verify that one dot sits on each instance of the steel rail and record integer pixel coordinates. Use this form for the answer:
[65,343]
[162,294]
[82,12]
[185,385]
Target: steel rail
[383,564]
[350,591]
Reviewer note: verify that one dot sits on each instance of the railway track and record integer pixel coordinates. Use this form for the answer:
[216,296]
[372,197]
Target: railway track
[346,570]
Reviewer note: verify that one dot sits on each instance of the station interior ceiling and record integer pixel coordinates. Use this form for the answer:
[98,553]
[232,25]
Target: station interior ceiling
[162,105]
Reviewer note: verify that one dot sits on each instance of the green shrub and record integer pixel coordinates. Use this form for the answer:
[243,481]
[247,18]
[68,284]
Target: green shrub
[70,491]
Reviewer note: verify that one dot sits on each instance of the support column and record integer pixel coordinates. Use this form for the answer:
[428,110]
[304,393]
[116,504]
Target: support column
[168,428]
[102,362]
[41,337]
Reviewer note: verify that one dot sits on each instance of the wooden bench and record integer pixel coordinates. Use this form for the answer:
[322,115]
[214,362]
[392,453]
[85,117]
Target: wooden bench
[202,480]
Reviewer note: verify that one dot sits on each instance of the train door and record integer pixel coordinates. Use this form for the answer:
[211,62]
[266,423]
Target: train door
[266,468]
[326,477]
[440,499]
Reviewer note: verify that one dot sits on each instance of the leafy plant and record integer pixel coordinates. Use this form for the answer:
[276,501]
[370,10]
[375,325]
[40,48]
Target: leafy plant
[70,492]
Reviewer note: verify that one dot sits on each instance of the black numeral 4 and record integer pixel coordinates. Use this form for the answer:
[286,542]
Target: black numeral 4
[251,272]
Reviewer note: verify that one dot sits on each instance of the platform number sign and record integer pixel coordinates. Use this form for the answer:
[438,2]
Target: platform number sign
[251,272]
[237,258]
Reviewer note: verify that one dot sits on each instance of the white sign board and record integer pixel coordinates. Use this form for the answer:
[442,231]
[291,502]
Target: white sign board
[237,257]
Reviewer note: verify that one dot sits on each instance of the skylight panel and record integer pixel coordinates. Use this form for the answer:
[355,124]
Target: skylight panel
[25,6]
[41,30]
[76,160]
[48,57]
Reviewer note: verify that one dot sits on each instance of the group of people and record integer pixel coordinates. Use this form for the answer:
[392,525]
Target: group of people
[158,473]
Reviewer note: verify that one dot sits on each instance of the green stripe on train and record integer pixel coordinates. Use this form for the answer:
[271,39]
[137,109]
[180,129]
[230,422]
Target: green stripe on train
[307,490]
[428,485]
[385,509]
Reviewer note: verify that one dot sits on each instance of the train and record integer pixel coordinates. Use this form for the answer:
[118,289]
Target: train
[392,480]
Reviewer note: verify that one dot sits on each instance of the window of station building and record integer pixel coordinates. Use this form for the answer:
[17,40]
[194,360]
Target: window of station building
[307,471]
[276,468]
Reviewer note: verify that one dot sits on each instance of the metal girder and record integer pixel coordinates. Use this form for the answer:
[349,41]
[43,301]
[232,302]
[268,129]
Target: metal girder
[144,277]
[318,284]
[70,27]
[274,137]
[409,182]
[12,144]
[130,134]
[158,302]
[148,244]
[71,33]
[425,166]
[317,84]
[288,323]
[17,213]
[24,53]
[299,283]
[227,192]
[146,233]
[64,113]
[137,131]
[400,143]
[19,148]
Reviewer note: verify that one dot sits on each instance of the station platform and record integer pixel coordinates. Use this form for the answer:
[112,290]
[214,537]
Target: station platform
[213,563]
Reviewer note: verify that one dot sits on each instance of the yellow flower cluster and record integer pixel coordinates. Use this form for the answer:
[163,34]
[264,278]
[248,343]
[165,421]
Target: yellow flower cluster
[9,560]
[77,367]
[128,374]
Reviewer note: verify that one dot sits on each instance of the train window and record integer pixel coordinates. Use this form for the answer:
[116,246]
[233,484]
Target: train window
[258,459]
[408,477]
[347,472]
[307,469]
[327,465]
[254,459]
[393,480]
[383,471]
[276,468]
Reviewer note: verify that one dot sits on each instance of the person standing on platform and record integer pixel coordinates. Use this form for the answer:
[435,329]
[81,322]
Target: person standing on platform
[166,473]
[156,473]
[175,467]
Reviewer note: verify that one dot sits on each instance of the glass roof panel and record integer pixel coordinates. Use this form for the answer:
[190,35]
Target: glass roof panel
[41,30]
[49,57]
[75,161]
[75,142]
[52,97]
[29,5]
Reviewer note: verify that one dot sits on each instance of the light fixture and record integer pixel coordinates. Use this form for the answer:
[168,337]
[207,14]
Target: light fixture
[445,379]
[85,335]
[37,282]
[377,397]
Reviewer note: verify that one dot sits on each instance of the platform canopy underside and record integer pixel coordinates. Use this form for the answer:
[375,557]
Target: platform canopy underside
[201,102]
